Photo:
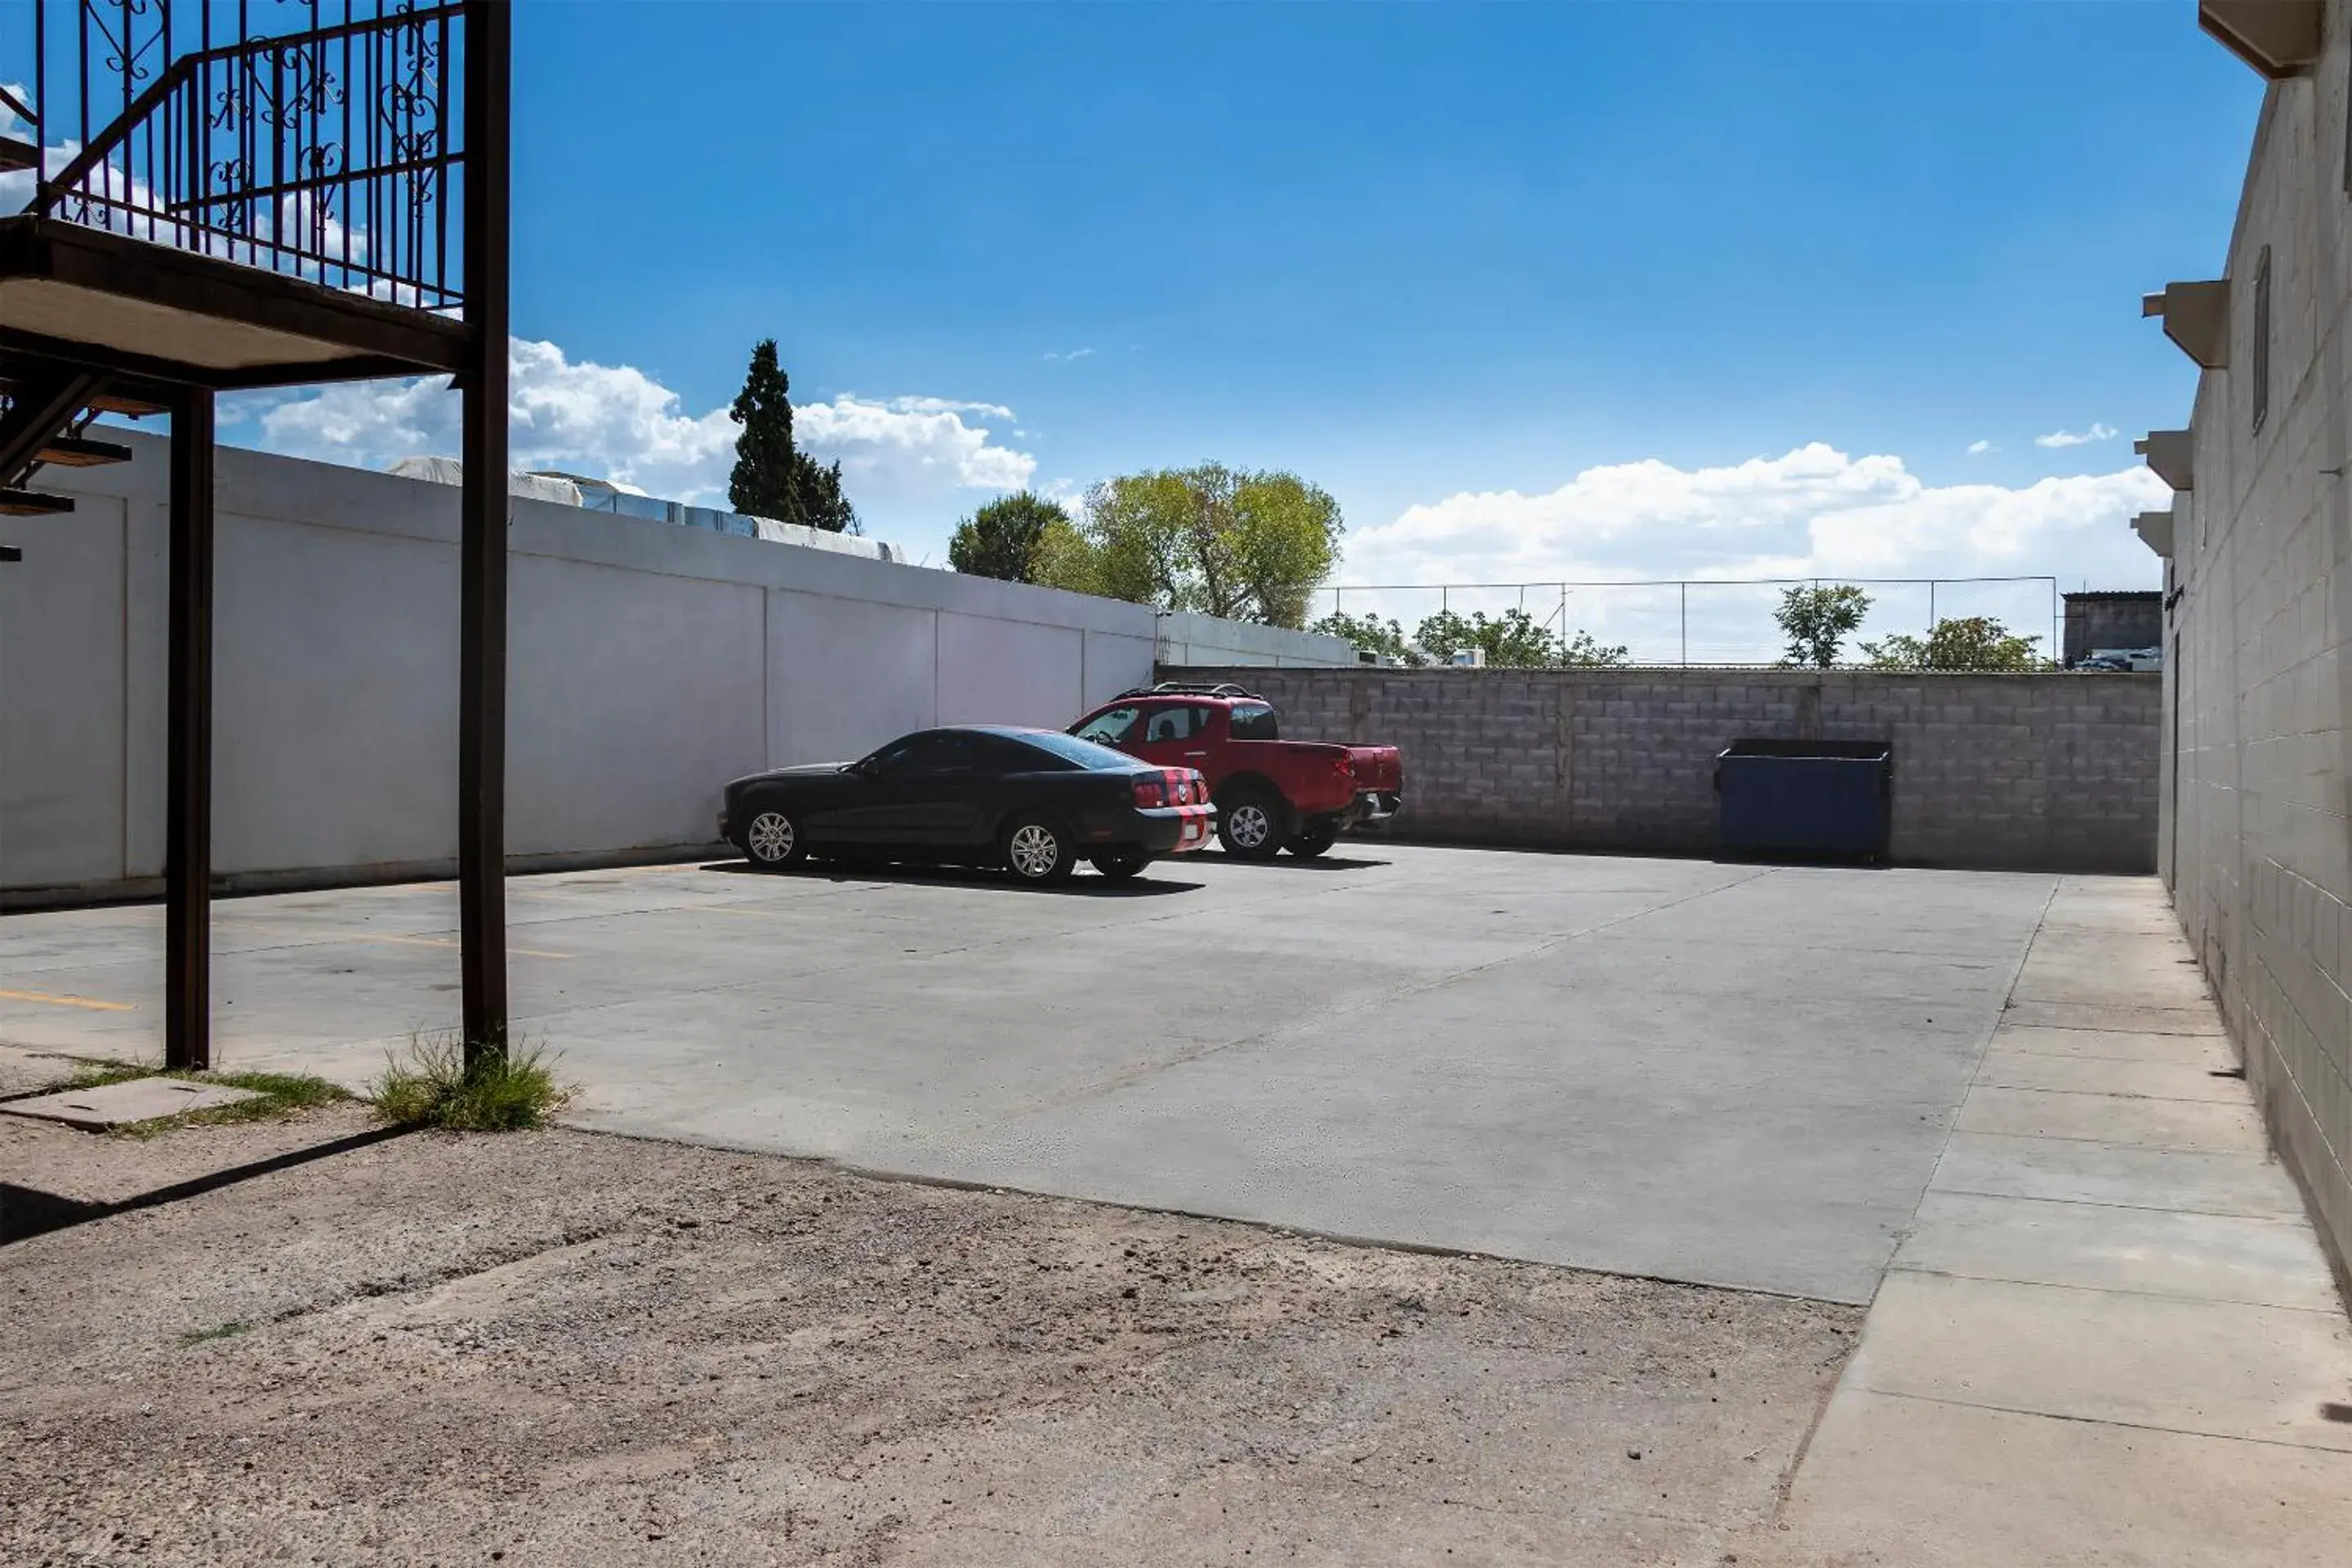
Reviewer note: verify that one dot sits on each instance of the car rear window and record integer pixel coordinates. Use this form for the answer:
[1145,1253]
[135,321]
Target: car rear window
[1075,752]
[1252,721]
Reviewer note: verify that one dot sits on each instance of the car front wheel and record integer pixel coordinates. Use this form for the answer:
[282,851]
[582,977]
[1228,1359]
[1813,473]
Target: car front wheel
[1038,850]
[1121,868]
[1245,827]
[773,841]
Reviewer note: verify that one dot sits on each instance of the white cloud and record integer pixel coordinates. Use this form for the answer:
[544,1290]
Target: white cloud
[1979,448]
[1813,512]
[2077,438]
[616,422]
[910,447]
[1074,354]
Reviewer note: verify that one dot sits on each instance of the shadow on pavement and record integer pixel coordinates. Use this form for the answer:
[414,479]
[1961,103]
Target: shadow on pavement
[1321,863]
[1083,885]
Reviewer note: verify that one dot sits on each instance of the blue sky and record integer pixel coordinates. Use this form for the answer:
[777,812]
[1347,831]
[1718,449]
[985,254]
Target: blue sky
[1441,259]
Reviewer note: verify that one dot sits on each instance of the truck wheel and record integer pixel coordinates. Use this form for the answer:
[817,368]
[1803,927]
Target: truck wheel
[1121,867]
[773,841]
[1319,833]
[1245,826]
[1038,849]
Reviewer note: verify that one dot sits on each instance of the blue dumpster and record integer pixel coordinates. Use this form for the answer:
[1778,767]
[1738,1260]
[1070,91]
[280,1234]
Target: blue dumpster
[1806,797]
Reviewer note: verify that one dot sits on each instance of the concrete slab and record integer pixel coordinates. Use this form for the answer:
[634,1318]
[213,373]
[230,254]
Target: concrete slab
[2224,1370]
[2198,1080]
[125,1103]
[1734,1073]
[2113,1118]
[1922,1484]
[2044,1011]
[2118,1175]
[2158,1252]
[2202,1050]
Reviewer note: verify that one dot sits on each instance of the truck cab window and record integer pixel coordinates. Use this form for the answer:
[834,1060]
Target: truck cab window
[1254,722]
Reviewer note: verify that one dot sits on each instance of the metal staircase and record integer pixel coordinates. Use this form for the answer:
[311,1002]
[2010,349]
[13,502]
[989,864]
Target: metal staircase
[237,194]
[26,410]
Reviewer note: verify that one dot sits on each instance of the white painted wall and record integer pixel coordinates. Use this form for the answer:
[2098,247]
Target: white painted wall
[649,663]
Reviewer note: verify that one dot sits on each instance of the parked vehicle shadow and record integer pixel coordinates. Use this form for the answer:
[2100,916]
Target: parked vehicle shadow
[1321,863]
[1083,885]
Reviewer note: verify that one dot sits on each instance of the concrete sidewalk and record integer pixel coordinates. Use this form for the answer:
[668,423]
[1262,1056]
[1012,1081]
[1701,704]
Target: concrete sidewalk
[2111,1337]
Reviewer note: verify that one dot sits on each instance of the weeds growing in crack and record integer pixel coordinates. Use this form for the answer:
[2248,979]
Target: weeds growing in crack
[498,1092]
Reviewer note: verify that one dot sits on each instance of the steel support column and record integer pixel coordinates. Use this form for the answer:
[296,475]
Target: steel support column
[188,763]
[482,652]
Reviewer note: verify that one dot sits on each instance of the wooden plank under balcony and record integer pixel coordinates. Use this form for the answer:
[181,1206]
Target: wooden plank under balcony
[73,293]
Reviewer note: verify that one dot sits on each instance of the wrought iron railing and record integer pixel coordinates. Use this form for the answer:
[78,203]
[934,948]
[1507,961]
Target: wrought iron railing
[322,139]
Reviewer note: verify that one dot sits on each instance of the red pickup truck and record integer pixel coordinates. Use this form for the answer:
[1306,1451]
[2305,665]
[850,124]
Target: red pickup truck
[1271,793]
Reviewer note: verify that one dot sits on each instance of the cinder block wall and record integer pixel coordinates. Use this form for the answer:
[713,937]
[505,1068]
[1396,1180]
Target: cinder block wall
[2041,772]
[2256,842]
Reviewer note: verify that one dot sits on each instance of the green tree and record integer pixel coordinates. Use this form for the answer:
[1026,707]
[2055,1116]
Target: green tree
[1370,633]
[1250,546]
[1973,642]
[1817,620]
[999,539]
[1512,640]
[1581,652]
[774,477]
[765,481]
[1063,557]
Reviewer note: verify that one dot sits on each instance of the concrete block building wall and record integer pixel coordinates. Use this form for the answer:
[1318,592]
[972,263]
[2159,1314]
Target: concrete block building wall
[2111,620]
[648,663]
[2255,842]
[2024,770]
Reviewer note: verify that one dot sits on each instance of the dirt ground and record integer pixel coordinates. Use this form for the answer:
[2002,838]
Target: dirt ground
[567,1348]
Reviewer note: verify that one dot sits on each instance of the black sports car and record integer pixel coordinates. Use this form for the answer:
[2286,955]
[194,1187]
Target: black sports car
[1036,801]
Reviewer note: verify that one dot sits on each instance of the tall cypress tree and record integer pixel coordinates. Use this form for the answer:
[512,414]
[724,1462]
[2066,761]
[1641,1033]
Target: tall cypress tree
[817,490]
[767,481]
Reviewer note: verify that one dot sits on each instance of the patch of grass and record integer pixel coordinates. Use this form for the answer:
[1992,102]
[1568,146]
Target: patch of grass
[278,1093]
[228,1330]
[501,1093]
[98,1075]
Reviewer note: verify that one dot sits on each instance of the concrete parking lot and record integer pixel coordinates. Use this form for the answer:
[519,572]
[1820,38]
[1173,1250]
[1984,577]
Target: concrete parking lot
[1732,1075]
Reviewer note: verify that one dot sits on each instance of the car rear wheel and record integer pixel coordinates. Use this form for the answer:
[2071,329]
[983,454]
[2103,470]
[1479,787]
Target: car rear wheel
[1038,849]
[1319,833]
[1245,826]
[1121,868]
[773,841]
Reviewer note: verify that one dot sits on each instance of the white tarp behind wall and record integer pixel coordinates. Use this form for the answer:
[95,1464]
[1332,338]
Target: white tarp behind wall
[627,501]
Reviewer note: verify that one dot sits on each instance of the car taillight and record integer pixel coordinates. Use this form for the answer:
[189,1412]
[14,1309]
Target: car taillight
[1345,766]
[1150,791]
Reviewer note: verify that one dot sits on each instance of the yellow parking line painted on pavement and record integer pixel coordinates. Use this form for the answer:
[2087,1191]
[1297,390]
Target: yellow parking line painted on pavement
[451,942]
[92,1003]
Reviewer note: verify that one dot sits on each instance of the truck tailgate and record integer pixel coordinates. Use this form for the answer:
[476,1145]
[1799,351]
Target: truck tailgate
[1378,768]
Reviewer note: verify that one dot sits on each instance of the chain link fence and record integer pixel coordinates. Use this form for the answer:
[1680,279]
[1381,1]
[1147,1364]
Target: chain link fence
[1712,621]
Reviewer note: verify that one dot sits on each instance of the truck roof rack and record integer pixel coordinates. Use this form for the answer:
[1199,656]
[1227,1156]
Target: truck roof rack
[1190,689]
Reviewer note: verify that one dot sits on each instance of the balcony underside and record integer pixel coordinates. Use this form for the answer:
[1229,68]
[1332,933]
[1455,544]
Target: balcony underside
[69,292]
